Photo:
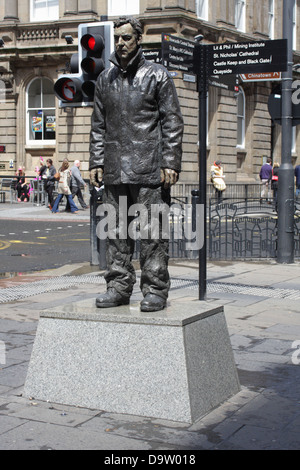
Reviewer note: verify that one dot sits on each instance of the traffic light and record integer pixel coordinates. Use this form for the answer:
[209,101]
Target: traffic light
[275,106]
[92,63]
[95,45]
[68,89]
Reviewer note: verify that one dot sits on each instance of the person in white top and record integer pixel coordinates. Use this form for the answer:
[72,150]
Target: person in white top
[64,189]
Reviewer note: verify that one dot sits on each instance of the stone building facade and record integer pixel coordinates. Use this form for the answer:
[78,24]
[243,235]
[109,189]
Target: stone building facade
[35,52]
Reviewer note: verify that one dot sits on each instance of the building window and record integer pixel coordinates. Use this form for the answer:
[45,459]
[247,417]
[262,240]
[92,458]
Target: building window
[202,9]
[240,15]
[241,112]
[271,18]
[40,105]
[44,10]
[123,7]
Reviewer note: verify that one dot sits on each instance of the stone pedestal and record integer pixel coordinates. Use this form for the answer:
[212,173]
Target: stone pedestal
[176,364]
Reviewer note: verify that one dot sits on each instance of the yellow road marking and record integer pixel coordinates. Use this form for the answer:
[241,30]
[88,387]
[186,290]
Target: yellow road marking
[26,243]
[4,245]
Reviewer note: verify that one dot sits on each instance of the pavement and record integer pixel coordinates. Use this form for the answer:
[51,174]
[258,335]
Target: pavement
[261,301]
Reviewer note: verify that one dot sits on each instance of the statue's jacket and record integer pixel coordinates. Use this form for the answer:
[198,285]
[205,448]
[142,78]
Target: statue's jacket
[137,125]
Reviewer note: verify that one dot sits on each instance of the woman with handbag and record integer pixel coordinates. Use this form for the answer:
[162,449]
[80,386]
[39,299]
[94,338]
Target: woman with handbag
[63,188]
[217,179]
[49,181]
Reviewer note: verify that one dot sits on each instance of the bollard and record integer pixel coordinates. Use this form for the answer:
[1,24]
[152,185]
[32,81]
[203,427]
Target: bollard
[98,247]
[195,201]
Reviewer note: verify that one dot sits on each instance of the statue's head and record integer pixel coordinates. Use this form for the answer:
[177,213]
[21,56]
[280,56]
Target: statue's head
[127,36]
[134,22]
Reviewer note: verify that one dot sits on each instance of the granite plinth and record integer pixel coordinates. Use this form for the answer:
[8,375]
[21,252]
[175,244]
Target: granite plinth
[175,364]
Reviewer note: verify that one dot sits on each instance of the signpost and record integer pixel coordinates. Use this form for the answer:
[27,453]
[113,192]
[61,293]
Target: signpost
[261,77]
[177,53]
[247,57]
[154,55]
[286,230]
[218,65]
[229,82]
[226,60]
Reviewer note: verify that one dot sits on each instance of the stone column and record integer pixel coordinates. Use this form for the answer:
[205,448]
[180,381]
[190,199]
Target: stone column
[71,7]
[11,10]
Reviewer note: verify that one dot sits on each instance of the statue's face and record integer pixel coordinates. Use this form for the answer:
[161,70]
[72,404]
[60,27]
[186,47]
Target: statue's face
[126,43]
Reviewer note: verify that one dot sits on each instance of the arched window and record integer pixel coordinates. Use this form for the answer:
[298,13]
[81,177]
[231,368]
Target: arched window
[40,108]
[241,112]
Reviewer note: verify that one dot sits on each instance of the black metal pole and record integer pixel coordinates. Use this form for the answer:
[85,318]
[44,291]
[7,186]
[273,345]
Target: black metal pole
[285,246]
[202,89]
[94,256]
[98,247]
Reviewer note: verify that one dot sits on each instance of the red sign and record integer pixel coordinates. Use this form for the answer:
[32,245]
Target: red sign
[259,77]
[2,148]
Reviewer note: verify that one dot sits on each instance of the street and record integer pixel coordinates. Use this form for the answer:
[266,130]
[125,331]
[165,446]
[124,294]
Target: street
[37,245]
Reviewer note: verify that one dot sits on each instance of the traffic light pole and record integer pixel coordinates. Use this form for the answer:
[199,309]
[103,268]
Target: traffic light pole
[285,247]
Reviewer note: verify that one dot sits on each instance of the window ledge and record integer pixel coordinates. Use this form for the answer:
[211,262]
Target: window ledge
[34,145]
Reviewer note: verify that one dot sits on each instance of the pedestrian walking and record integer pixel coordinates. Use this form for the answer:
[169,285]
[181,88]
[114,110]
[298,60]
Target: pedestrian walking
[64,189]
[217,179]
[76,183]
[50,181]
[274,182]
[265,175]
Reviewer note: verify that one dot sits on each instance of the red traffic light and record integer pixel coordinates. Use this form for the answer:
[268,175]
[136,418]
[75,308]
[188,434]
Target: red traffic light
[93,43]
[68,89]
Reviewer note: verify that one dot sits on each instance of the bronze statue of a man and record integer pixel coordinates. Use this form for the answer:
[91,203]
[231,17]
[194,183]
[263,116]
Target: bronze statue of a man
[136,150]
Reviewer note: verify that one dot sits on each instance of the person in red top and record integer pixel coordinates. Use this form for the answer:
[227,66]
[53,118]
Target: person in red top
[274,182]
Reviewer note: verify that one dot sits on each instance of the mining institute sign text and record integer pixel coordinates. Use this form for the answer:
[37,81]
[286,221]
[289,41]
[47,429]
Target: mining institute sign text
[238,58]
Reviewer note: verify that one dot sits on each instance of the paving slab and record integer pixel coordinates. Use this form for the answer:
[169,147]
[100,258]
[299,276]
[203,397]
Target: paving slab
[265,414]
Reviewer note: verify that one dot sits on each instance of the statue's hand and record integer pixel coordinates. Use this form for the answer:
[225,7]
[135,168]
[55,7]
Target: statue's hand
[168,177]
[96,176]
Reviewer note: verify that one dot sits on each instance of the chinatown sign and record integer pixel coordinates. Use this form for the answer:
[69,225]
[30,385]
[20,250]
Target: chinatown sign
[260,77]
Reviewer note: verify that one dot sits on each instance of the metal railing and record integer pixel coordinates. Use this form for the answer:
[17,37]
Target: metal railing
[236,229]
[240,230]
[37,194]
[233,190]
